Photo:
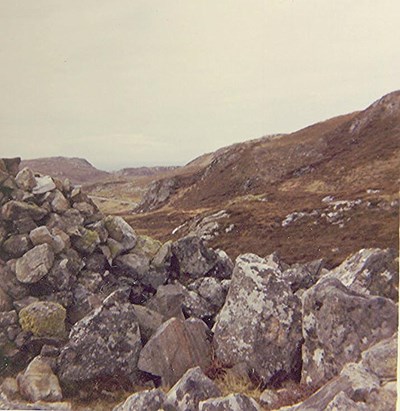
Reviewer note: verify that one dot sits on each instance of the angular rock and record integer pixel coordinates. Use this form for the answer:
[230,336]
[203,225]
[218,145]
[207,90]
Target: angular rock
[150,400]
[59,203]
[370,271]
[24,225]
[38,382]
[119,230]
[5,301]
[303,276]
[133,265]
[14,210]
[87,241]
[26,179]
[17,245]
[193,387]
[35,264]
[237,402]
[147,246]
[342,402]
[43,319]
[106,343]
[10,284]
[41,235]
[149,321]
[193,259]
[176,346]
[355,381]
[69,222]
[338,325]
[168,301]
[10,165]
[381,358]
[260,322]
[43,185]
[211,290]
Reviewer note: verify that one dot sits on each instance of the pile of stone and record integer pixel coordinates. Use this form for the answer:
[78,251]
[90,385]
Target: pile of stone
[84,299]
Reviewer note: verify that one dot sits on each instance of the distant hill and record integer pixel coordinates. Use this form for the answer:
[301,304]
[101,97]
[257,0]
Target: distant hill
[78,170]
[328,189]
[143,171]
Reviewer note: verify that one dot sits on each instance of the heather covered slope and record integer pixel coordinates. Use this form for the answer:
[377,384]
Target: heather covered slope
[334,184]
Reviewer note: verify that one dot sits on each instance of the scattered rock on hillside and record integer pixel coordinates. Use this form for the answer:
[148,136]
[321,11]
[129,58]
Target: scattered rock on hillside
[338,324]
[176,346]
[260,322]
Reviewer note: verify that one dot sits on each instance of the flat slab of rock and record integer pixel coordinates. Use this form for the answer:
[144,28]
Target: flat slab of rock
[338,325]
[260,322]
[34,264]
[43,185]
[38,382]
[176,347]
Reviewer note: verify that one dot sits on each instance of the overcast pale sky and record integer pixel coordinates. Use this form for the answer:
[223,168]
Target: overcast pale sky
[138,82]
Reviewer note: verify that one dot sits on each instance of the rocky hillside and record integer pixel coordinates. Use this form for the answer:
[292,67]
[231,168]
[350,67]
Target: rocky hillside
[143,171]
[95,316]
[78,170]
[334,184]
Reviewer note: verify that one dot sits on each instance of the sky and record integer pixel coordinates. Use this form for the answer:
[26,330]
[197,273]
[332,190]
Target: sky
[129,83]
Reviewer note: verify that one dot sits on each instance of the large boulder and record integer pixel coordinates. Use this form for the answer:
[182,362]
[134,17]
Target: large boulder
[260,322]
[105,343]
[38,382]
[370,271]
[176,346]
[338,324]
[34,264]
[14,210]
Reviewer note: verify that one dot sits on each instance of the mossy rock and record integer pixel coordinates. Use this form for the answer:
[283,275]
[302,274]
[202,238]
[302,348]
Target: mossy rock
[87,242]
[44,319]
[147,246]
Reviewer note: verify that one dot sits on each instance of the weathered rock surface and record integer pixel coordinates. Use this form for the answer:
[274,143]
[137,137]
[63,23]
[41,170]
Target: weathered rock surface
[168,301]
[338,325]
[121,231]
[260,322]
[43,185]
[192,388]
[38,382]
[105,343]
[370,271]
[26,179]
[176,347]
[151,400]
[35,264]
[236,402]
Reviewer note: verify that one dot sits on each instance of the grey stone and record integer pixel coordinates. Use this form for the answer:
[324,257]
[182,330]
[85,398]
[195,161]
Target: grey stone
[149,400]
[41,235]
[176,347]
[86,241]
[59,203]
[370,271]
[119,230]
[43,185]
[149,321]
[14,210]
[338,325]
[35,264]
[193,387]
[17,245]
[105,343]
[236,402]
[133,265]
[168,301]
[260,322]
[5,301]
[38,382]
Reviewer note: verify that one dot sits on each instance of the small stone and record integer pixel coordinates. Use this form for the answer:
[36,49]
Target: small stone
[17,245]
[43,185]
[149,400]
[38,382]
[26,179]
[59,204]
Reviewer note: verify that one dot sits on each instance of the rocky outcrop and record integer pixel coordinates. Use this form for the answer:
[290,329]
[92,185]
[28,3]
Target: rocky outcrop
[260,322]
[237,402]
